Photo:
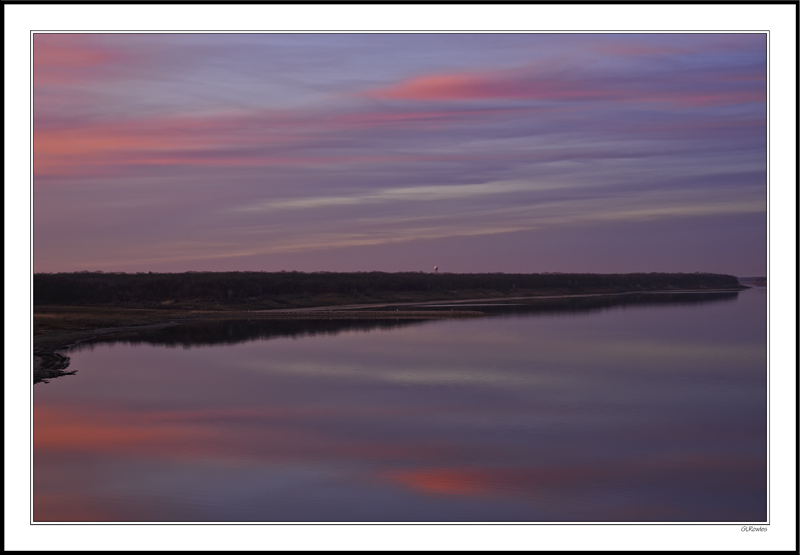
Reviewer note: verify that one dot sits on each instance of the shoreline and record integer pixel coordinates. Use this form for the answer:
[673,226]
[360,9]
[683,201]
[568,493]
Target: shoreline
[48,362]
[496,299]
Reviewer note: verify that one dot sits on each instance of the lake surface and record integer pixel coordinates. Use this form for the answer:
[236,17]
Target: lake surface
[645,408]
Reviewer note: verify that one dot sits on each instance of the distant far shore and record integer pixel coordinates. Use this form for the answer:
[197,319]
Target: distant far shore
[289,290]
[58,327]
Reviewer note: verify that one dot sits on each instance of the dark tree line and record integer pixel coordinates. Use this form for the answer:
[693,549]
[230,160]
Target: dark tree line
[140,289]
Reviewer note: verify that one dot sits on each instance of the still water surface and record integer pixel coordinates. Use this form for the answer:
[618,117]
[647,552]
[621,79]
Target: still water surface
[625,409]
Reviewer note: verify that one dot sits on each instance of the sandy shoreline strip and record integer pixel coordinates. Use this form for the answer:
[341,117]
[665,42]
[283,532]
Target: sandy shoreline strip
[487,300]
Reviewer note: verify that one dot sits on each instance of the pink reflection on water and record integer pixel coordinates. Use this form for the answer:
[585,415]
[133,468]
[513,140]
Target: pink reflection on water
[704,470]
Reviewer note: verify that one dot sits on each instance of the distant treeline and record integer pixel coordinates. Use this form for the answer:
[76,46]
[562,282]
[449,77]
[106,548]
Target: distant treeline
[152,289]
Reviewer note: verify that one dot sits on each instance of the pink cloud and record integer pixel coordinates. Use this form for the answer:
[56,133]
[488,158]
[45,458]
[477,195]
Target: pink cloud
[75,148]
[69,58]
[550,85]
[472,86]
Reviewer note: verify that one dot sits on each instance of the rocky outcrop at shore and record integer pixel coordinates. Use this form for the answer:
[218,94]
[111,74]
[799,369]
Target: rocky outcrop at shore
[48,365]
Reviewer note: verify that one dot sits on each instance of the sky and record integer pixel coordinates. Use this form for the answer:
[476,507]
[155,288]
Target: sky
[397,152]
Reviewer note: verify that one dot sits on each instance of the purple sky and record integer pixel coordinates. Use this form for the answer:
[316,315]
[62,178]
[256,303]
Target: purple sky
[395,152]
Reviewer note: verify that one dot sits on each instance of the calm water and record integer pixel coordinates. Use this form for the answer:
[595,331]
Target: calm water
[648,408]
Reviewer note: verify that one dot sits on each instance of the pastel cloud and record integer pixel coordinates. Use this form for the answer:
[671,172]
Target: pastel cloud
[533,84]
[60,59]
[234,139]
